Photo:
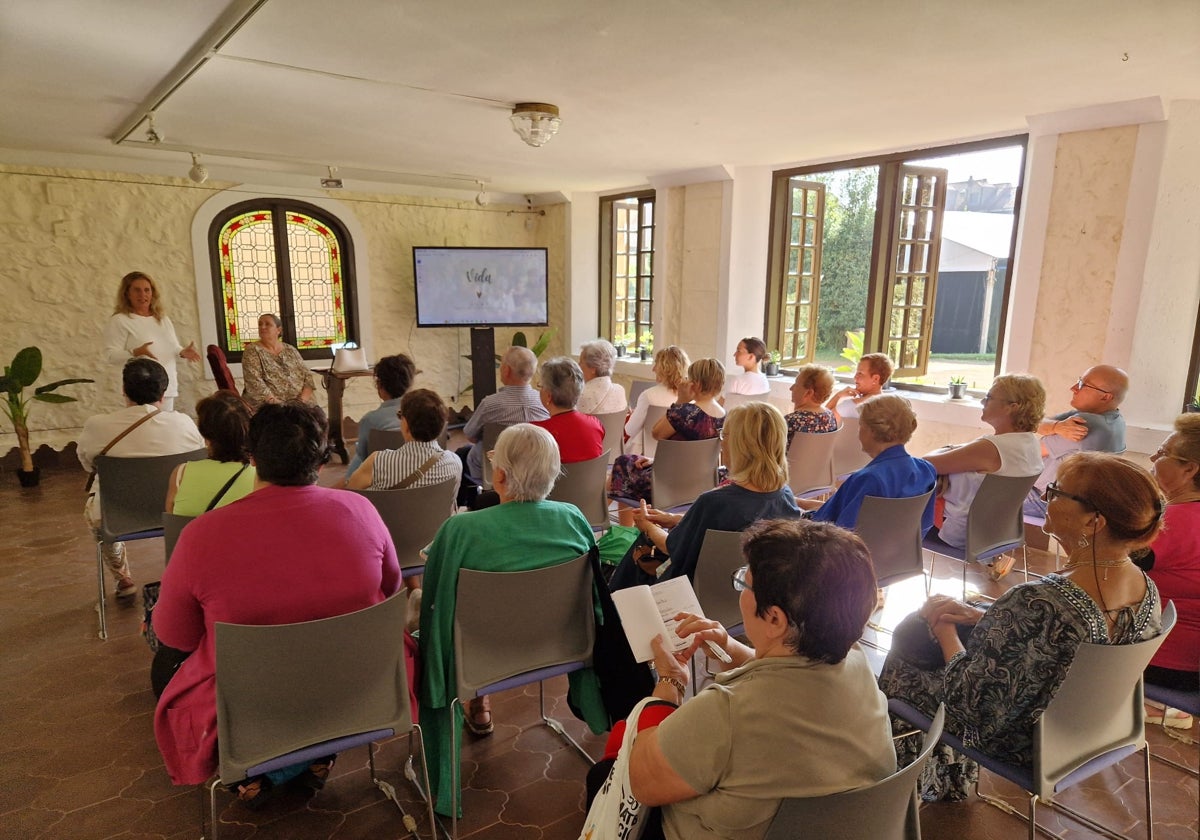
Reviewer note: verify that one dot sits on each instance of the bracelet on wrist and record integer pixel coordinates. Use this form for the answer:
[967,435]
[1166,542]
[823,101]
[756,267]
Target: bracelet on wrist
[679,686]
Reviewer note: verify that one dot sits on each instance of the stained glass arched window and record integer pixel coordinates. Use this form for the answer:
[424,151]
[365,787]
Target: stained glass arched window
[287,258]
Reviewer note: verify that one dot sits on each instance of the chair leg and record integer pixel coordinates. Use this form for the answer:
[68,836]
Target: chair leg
[427,792]
[212,807]
[100,606]
[1149,804]
[389,791]
[558,727]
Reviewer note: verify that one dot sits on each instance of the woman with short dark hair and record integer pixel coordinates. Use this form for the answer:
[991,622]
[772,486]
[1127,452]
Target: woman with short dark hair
[225,475]
[797,714]
[421,461]
[290,551]
[394,375]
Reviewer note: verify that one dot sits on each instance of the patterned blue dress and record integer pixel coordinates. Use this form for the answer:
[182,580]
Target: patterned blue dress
[1016,657]
[690,423]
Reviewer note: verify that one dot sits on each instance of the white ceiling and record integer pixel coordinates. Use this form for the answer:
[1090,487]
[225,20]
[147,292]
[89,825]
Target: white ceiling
[418,91]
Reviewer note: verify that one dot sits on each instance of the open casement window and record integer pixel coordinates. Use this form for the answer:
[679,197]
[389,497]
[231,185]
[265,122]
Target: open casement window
[289,259]
[794,315]
[905,300]
[627,267]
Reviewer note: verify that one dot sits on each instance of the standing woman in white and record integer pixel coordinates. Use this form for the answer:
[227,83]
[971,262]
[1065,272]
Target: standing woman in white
[138,327]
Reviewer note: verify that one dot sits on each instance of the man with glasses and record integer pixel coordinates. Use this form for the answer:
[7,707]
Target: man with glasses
[1094,423]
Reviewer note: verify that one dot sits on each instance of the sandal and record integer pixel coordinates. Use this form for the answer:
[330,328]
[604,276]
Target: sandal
[1168,718]
[479,717]
[255,793]
[313,779]
[1001,567]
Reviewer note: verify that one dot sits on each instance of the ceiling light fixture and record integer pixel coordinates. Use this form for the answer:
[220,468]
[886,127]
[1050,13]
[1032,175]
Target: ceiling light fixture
[152,135]
[197,174]
[536,122]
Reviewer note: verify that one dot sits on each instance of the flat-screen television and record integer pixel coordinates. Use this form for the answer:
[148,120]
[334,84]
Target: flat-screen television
[481,287]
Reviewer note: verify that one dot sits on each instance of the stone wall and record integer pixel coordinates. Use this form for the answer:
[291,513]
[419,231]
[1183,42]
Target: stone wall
[69,236]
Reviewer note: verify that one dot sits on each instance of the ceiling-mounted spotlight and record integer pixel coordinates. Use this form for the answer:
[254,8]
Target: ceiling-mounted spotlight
[530,218]
[197,174]
[333,182]
[482,199]
[152,135]
[536,122]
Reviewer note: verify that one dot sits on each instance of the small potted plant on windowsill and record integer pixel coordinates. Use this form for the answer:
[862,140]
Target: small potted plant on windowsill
[958,387]
[26,367]
[621,341]
[771,368]
[646,346]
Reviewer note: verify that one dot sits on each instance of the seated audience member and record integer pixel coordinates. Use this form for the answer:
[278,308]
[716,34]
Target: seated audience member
[1173,562]
[394,375]
[1013,407]
[524,531]
[303,552]
[225,475]
[669,369]
[580,437]
[885,424]
[796,714]
[749,354]
[1094,424]
[421,461]
[997,670]
[140,429]
[696,415]
[273,370]
[752,446]
[600,394]
[515,402]
[870,376]
[813,385]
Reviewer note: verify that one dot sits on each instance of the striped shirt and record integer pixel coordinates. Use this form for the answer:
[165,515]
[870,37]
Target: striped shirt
[392,466]
[511,404]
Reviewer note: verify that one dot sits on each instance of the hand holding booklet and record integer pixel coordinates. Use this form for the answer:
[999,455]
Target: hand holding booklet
[649,611]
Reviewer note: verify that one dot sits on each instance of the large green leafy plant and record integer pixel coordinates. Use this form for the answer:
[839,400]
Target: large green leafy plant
[26,367]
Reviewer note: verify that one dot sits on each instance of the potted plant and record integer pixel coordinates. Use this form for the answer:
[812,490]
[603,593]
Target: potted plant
[622,341]
[26,367]
[646,346]
[771,368]
[958,387]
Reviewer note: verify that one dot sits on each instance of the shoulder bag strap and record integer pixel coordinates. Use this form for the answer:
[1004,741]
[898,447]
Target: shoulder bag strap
[221,493]
[420,471]
[92,476]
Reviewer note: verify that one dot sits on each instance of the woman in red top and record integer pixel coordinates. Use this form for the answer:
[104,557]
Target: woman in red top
[580,436]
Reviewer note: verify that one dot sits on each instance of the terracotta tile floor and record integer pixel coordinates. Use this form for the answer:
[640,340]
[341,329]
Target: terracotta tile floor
[80,761]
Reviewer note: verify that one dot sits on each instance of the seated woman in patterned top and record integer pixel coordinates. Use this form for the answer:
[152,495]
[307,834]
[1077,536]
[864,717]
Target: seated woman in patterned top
[696,415]
[810,391]
[997,670]
[421,461]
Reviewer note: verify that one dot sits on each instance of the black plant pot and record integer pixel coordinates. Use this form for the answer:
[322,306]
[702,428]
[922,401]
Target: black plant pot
[30,478]
[771,368]
[620,350]
[644,354]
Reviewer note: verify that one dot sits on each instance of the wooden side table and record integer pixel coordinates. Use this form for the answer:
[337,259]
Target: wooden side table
[334,383]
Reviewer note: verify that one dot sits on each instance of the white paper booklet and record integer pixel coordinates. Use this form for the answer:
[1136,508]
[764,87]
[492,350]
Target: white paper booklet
[649,611]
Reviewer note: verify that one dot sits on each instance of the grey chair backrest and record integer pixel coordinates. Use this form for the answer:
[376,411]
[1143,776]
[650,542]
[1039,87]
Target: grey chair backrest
[133,491]
[172,525]
[614,432]
[654,413]
[583,484]
[491,431]
[384,439]
[284,687]
[1097,708]
[683,469]
[734,400]
[720,556]
[994,518]
[413,516]
[636,387]
[886,810]
[497,635]
[810,462]
[848,455]
[891,528]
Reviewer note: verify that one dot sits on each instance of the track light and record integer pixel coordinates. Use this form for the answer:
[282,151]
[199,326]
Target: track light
[197,174]
[482,199]
[152,135]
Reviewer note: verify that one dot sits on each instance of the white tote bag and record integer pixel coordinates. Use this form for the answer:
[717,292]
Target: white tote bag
[615,814]
[349,358]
